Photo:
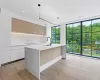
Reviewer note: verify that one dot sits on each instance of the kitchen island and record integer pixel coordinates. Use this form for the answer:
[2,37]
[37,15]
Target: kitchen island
[40,57]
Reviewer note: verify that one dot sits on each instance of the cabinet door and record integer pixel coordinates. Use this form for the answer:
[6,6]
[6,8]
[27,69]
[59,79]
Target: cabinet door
[14,55]
[44,32]
[5,57]
[21,53]
[17,54]
[41,30]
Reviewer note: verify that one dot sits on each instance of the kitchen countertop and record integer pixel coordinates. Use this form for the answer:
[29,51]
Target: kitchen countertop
[16,44]
[26,44]
[44,47]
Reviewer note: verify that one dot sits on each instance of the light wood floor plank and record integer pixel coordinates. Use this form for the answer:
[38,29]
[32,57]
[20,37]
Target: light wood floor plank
[73,68]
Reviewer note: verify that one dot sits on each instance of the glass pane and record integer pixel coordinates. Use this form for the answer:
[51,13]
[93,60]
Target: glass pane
[96,44]
[53,29]
[76,28]
[76,48]
[69,38]
[86,26]
[76,38]
[73,38]
[96,50]
[86,49]
[53,34]
[57,35]
[53,40]
[69,28]
[86,38]
[69,48]
[95,37]
[96,25]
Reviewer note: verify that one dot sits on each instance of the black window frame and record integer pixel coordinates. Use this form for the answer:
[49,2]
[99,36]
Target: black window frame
[91,20]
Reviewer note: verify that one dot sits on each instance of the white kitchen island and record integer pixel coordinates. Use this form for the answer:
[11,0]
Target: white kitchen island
[39,57]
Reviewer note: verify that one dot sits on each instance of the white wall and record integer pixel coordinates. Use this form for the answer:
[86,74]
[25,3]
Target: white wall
[5,27]
[63,34]
[48,31]
[0,39]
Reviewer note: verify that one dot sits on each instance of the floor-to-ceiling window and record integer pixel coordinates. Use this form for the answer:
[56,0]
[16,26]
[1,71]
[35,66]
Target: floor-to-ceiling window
[84,38]
[73,38]
[96,38]
[69,38]
[76,38]
[55,34]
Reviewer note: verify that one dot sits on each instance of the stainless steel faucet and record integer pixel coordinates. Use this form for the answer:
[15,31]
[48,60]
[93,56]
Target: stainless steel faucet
[50,41]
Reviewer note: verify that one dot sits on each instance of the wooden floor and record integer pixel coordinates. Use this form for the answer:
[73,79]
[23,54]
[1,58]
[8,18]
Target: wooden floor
[73,68]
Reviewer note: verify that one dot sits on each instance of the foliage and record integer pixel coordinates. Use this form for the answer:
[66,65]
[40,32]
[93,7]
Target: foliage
[85,47]
[90,37]
[55,31]
[90,34]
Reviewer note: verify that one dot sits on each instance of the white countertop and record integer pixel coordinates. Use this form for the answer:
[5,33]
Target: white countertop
[24,44]
[44,47]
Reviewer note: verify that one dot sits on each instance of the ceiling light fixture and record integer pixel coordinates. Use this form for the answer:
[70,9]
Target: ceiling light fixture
[23,11]
[39,5]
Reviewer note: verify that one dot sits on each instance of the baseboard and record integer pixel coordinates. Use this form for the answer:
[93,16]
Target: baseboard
[12,62]
[45,66]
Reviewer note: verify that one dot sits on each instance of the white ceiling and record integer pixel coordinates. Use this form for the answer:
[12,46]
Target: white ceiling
[67,10]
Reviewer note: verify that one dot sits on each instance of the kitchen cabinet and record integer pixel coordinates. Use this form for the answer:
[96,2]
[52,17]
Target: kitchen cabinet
[5,57]
[17,54]
[22,26]
[42,30]
[12,54]
[21,53]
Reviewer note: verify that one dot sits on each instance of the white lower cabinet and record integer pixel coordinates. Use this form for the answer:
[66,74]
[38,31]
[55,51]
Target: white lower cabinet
[5,57]
[21,53]
[12,55]
[17,54]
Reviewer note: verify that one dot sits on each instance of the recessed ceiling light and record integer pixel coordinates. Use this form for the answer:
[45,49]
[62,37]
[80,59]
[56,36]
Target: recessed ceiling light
[23,11]
[39,5]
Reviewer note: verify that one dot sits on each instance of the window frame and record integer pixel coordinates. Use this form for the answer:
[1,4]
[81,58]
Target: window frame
[91,20]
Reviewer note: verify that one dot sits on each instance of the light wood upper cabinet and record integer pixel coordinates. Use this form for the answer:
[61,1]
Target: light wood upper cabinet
[27,27]
[41,30]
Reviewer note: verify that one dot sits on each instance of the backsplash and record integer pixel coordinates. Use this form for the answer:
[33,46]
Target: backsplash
[22,38]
